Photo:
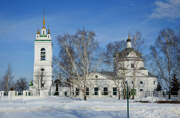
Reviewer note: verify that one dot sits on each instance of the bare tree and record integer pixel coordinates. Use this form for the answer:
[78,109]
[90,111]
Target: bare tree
[164,54]
[77,57]
[7,80]
[110,50]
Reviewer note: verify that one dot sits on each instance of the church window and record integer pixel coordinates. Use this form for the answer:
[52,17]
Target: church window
[87,91]
[42,69]
[141,89]
[43,54]
[132,65]
[65,93]
[77,91]
[141,82]
[114,91]
[126,82]
[105,91]
[96,91]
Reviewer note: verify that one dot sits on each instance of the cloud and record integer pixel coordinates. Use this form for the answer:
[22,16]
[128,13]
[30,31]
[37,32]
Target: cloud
[169,9]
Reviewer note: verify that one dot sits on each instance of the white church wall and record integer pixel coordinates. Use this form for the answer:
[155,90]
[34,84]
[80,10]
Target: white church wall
[137,64]
[131,72]
[11,94]
[152,83]
[64,91]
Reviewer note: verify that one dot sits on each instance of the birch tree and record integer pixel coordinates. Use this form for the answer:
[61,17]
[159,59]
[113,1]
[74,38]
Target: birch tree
[77,58]
[164,54]
[7,80]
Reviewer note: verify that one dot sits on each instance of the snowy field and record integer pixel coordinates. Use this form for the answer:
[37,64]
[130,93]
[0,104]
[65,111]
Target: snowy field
[59,107]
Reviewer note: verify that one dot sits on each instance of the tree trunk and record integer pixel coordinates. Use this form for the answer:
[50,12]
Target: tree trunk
[119,94]
[169,93]
[133,92]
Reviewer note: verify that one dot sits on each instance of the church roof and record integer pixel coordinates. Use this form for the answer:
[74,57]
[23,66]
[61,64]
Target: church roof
[151,75]
[107,73]
[126,52]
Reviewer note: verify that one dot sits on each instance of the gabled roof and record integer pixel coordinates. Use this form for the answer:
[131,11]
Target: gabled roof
[126,51]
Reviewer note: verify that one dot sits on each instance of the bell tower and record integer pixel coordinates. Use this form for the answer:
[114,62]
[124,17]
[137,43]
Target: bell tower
[42,77]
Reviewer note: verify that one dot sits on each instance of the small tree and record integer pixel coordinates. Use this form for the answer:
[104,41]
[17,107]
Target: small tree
[159,88]
[175,85]
[21,84]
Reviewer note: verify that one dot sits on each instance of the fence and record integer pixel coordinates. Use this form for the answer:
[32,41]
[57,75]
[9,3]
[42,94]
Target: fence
[15,93]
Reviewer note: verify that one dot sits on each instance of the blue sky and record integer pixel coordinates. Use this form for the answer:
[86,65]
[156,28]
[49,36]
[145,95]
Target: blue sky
[112,20]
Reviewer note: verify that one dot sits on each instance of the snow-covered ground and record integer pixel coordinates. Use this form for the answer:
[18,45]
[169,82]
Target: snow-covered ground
[60,107]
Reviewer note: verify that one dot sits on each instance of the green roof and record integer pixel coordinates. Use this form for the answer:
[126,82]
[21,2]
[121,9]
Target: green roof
[42,40]
[43,35]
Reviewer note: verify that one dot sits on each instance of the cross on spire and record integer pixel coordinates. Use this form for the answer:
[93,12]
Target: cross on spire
[44,19]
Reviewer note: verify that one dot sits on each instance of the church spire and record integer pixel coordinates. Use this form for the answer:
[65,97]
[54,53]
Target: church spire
[129,42]
[44,27]
[44,22]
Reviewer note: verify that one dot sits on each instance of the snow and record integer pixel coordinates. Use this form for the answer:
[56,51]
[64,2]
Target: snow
[64,107]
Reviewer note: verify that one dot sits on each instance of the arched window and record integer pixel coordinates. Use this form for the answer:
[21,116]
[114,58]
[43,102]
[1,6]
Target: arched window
[42,69]
[141,82]
[43,54]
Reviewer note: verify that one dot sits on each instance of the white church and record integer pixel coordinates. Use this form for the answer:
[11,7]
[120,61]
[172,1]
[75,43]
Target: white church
[128,69]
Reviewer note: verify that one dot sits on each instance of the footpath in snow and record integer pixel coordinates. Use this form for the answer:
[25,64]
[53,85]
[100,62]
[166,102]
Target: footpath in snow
[61,107]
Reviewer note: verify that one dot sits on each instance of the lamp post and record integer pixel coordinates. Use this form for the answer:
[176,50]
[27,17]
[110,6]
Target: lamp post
[127,95]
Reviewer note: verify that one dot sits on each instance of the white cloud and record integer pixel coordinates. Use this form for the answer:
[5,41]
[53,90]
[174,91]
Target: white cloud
[169,9]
